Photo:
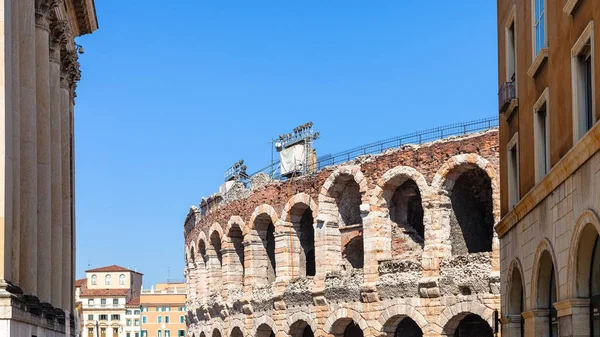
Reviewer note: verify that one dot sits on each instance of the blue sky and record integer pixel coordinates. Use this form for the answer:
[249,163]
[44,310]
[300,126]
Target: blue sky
[174,92]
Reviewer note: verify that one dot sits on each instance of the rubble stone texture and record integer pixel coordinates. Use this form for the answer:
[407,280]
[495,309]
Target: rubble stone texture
[400,243]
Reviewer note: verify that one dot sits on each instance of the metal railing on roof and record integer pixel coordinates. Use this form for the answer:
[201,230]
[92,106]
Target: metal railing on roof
[414,138]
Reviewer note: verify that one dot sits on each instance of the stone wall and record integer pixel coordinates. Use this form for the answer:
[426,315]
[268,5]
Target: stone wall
[415,270]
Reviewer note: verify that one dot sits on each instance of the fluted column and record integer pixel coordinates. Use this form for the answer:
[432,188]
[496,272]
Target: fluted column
[57,39]
[16,150]
[68,60]
[42,57]
[28,148]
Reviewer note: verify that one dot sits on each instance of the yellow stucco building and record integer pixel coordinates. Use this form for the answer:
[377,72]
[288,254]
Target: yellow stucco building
[163,310]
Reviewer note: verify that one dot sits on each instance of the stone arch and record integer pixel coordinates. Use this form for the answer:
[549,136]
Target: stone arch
[516,279]
[402,195]
[338,320]
[235,220]
[191,251]
[201,244]
[217,239]
[446,176]
[236,323]
[299,317]
[300,198]
[587,229]
[544,259]
[260,323]
[469,184]
[260,210]
[262,243]
[234,237]
[333,188]
[391,317]
[451,316]
[216,327]
[297,230]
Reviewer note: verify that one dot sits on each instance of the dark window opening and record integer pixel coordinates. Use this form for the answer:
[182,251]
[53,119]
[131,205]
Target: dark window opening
[408,328]
[472,219]
[308,332]
[473,326]
[354,252]
[353,330]
[348,203]
[587,78]
[215,241]
[307,241]
[406,210]
[266,232]
[235,233]
[595,290]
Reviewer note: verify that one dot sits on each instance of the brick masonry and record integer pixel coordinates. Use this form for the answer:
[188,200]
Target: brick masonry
[232,243]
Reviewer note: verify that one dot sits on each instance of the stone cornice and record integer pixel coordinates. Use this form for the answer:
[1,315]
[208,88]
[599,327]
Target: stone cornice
[565,308]
[85,16]
[577,156]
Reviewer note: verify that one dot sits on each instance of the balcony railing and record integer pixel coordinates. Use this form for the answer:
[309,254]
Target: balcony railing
[506,95]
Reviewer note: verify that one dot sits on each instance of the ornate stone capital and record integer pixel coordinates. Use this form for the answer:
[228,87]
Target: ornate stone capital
[43,10]
[59,37]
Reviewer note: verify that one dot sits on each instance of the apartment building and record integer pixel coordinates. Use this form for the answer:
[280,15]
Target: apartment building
[133,318]
[549,141]
[106,294]
[163,310]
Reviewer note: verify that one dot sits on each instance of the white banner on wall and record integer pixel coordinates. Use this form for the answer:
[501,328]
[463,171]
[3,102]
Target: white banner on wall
[292,158]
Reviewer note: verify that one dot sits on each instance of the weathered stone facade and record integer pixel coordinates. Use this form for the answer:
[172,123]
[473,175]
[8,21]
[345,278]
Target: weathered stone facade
[397,243]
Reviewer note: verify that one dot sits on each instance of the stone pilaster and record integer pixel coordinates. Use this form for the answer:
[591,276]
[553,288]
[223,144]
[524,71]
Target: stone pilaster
[28,148]
[44,223]
[573,317]
[511,325]
[16,146]
[537,322]
[58,41]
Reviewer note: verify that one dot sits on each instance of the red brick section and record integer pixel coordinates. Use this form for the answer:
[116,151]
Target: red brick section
[427,159]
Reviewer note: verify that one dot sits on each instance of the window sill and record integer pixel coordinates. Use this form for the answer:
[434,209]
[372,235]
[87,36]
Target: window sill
[514,104]
[570,6]
[537,63]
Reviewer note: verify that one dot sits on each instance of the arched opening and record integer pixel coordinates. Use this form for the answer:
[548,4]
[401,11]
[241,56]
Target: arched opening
[215,242]
[237,332]
[266,232]
[201,272]
[193,255]
[353,330]
[301,329]
[408,328]
[515,304]
[237,239]
[264,331]
[546,294]
[302,220]
[406,211]
[348,201]
[472,219]
[216,333]
[595,290]
[202,251]
[473,326]
[202,334]
[353,253]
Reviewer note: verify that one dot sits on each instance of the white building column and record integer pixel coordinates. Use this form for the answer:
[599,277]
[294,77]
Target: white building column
[28,148]
[16,150]
[57,40]
[44,223]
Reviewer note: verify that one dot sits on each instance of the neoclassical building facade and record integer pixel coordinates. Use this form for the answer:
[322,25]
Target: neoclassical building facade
[396,244]
[40,71]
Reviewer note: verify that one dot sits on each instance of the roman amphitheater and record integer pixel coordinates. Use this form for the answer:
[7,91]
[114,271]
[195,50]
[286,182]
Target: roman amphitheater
[395,244]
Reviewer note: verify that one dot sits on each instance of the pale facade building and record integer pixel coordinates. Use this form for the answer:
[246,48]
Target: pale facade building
[40,70]
[105,295]
[163,310]
[132,318]
[549,142]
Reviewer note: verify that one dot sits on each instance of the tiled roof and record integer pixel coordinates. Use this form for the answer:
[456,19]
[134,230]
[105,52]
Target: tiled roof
[103,292]
[135,302]
[80,282]
[113,268]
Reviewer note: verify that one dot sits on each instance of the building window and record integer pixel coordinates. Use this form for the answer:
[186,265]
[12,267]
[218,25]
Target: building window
[167,333]
[102,332]
[128,322]
[181,333]
[539,23]
[91,302]
[137,322]
[137,334]
[541,136]
[122,279]
[94,280]
[167,319]
[181,319]
[115,301]
[90,332]
[127,312]
[103,317]
[115,317]
[583,83]
[90,317]
[144,319]
[137,312]
[511,51]
[115,331]
[128,334]
[103,302]
[107,280]
[144,333]
[513,171]
[159,333]
[159,319]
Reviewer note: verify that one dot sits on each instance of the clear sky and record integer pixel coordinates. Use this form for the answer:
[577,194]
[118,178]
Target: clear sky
[174,92]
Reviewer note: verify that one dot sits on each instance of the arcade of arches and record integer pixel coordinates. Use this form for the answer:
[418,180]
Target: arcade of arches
[400,245]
